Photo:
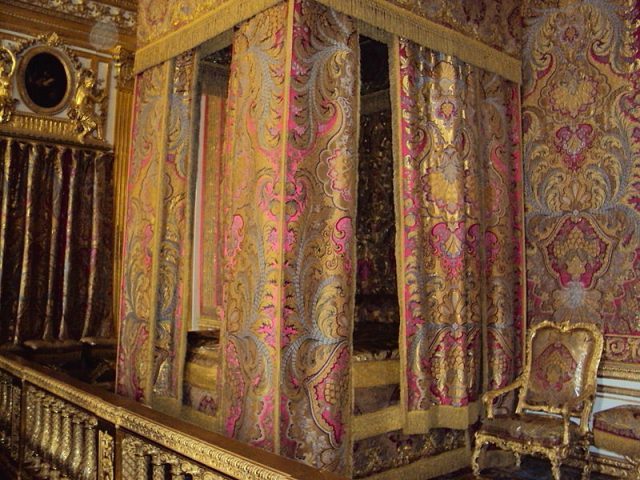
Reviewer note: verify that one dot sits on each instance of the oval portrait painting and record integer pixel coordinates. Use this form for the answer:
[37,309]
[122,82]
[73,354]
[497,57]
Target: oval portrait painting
[45,82]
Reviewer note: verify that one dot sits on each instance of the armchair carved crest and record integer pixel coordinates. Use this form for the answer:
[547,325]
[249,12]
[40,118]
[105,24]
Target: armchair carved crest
[555,398]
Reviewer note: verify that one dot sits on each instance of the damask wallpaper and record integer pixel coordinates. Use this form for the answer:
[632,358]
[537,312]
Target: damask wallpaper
[581,112]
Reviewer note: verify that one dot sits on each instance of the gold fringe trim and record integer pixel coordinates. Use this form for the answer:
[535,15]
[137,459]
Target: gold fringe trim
[376,423]
[399,21]
[206,27]
[442,416]
[429,467]
[375,373]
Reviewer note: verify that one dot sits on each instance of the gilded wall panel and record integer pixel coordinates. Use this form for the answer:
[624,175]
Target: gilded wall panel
[582,143]
[319,242]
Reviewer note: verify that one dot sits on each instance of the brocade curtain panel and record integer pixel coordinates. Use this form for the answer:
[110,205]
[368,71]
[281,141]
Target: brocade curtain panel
[156,289]
[56,240]
[291,140]
[459,187]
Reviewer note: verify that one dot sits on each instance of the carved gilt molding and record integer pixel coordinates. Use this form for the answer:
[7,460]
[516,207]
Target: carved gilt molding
[122,15]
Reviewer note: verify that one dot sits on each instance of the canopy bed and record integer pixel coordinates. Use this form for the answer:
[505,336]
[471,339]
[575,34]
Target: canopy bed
[365,267]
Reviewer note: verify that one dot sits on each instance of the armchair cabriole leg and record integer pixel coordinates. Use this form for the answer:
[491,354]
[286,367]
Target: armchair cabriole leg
[475,459]
[518,458]
[555,467]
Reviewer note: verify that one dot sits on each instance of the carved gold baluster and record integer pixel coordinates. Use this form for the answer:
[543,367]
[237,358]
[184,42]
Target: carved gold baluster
[45,438]
[15,420]
[54,442]
[88,467]
[65,439]
[4,411]
[29,423]
[75,458]
[33,456]
[58,439]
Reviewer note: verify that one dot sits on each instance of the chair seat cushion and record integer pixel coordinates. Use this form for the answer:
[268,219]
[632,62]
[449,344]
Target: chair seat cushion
[545,430]
[618,429]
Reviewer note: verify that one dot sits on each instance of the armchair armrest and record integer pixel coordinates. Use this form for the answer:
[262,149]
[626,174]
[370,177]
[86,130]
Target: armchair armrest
[491,395]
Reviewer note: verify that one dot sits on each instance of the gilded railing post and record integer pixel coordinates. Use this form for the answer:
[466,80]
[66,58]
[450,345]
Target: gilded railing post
[105,456]
[123,60]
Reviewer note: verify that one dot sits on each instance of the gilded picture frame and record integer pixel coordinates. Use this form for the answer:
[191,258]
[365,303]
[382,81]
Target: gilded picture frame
[45,80]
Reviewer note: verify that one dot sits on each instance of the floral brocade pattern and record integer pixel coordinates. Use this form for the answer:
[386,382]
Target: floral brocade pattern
[136,309]
[319,246]
[253,153]
[582,143]
[158,233]
[494,22]
[174,259]
[289,251]
[461,196]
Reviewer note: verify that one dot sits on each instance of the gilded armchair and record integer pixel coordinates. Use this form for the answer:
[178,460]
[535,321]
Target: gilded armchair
[555,398]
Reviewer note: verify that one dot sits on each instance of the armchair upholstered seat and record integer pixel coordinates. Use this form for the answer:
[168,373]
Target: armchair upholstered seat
[555,397]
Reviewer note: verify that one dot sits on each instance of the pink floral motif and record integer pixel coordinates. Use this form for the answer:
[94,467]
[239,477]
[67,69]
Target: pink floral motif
[573,142]
[448,243]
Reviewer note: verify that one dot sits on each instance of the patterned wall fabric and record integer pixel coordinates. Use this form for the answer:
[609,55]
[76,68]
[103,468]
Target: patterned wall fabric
[582,143]
[157,238]
[56,240]
[319,243]
[460,235]
[254,152]
[497,23]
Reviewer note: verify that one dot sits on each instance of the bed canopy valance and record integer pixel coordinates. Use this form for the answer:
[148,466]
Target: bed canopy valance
[287,377]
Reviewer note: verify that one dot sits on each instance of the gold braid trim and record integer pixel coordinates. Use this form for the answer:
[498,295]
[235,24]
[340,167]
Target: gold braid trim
[375,373]
[399,21]
[428,467]
[442,416]
[206,27]
[376,423]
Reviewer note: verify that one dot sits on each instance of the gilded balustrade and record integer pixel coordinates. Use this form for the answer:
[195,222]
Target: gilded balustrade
[53,427]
